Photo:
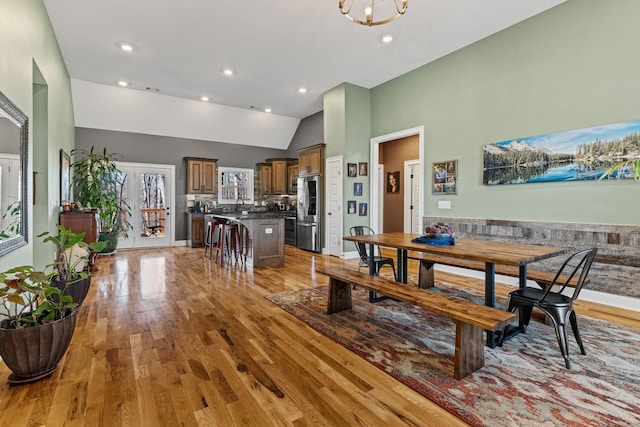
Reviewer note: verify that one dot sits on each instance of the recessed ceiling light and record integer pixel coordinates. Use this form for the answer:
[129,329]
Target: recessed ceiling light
[228,72]
[126,47]
[267,110]
[123,83]
[302,90]
[387,39]
[204,98]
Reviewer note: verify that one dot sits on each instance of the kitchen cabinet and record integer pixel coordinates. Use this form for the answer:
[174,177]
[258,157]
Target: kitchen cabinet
[264,178]
[195,230]
[292,176]
[279,175]
[201,175]
[311,160]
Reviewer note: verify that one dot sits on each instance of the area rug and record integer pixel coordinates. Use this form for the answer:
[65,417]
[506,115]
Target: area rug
[524,383]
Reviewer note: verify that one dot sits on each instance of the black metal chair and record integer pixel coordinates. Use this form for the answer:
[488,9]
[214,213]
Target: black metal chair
[365,257]
[153,227]
[552,301]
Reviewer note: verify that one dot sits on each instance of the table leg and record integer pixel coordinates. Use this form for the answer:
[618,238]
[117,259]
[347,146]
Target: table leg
[405,266]
[511,331]
[489,296]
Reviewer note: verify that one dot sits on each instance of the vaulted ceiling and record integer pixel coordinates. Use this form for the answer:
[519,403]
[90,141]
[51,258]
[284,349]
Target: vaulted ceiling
[181,48]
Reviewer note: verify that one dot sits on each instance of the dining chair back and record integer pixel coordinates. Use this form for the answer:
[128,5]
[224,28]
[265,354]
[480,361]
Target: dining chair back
[367,258]
[555,300]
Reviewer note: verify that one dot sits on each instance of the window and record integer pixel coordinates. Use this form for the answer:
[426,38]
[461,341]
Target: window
[234,184]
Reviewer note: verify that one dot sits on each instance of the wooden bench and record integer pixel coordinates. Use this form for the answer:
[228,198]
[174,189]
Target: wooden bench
[470,318]
[427,261]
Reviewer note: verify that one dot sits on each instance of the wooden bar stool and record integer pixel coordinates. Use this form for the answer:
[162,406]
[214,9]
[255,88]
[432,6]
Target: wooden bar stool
[209,235]
[228,241]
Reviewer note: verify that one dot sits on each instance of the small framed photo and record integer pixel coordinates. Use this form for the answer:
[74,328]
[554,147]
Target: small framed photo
[393,182]
[357,189]
[362,209]
[445,177]
[363,168]
[351,206]
[352,169]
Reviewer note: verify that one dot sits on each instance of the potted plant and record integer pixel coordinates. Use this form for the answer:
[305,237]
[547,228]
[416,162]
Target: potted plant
[72,261]
[35,327]
[100,185]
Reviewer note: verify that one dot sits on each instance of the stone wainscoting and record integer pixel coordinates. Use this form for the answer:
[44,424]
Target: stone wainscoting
[616,269]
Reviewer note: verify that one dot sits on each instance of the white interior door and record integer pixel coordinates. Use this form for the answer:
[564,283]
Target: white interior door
[334,205]
[150,196]
[412,192]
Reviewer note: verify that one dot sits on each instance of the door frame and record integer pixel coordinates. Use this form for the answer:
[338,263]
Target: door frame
[339,249]
[375,179]
[171,197]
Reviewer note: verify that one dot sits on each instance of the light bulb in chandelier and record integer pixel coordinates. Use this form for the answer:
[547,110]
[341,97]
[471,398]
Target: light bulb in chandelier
[391,12]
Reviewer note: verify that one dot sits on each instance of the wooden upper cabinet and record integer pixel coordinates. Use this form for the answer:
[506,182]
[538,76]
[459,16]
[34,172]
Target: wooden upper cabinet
[201,175]
[311,160]
[279,175]
[292,176]
[264,174]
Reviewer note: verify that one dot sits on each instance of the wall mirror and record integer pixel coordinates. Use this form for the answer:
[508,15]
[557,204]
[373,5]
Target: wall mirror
[14,138]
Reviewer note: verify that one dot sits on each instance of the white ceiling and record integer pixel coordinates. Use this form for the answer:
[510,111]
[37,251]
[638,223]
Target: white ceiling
[274,46]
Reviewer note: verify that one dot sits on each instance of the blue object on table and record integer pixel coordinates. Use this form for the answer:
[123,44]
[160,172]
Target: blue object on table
[435,241]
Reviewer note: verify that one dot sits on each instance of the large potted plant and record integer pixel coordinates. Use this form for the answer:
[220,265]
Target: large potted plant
[35,327]
[100,185]
[71,266]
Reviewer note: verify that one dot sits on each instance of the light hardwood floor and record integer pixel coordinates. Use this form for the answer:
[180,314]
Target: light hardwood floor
[168,338]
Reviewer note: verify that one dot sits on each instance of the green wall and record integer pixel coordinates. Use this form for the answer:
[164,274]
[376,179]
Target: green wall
[571,67]
[27,43]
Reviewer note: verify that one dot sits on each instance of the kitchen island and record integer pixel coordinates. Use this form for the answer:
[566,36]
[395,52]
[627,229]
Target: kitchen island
[262,233]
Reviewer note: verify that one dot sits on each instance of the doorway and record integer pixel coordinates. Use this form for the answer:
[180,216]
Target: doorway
[377,181]
[149,194]
[334,205]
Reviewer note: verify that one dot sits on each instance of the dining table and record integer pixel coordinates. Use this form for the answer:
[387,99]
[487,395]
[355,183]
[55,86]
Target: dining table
[491,252]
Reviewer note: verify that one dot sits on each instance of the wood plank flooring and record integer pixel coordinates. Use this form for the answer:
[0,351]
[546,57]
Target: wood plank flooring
[168,338]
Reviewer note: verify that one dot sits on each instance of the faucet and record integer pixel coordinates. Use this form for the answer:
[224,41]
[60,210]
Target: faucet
[238,202]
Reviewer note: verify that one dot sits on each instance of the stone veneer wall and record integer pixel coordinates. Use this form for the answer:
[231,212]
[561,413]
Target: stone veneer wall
[616,269]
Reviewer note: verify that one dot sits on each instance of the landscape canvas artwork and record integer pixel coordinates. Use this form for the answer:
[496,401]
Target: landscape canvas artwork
[576,155]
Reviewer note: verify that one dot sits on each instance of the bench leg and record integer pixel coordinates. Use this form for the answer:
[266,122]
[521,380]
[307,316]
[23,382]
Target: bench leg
[469,355]
[339,296]
[426,277]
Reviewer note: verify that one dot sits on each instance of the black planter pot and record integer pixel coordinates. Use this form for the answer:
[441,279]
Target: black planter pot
[77,289]
[32,353]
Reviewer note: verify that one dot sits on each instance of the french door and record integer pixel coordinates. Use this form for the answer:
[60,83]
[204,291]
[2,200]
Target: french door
[149,194]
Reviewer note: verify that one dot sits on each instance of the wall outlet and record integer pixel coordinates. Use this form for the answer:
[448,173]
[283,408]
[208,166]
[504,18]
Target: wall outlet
[444,204]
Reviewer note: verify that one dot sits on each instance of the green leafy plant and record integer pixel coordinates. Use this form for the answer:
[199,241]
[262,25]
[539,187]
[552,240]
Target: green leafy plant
[70,265]
[13,214]
[101,185]
[28,298]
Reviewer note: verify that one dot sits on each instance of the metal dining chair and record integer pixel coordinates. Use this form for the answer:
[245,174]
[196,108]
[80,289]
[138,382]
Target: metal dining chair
[366,258]
[553,302]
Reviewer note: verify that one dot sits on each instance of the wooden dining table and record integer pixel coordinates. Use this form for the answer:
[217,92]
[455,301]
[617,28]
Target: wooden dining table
[488,251]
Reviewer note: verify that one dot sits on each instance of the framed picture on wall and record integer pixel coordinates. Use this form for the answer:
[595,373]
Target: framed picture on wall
[351,206]
[352,169]
[393,182]
[362,209]
[445,177]
[364,169]
[357,189]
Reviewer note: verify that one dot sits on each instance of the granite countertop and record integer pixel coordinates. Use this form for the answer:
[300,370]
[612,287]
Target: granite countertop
[250,215]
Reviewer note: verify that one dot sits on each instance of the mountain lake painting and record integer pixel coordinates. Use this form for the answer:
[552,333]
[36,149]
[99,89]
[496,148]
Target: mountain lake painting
[575,155]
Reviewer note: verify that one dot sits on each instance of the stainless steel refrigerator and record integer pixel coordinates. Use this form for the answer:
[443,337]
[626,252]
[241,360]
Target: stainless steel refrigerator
[309,233]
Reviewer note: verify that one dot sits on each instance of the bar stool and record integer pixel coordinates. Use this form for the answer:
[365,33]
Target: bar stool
[229,237]
[210,233]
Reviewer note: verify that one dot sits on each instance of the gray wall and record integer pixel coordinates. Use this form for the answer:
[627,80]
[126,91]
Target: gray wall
[310,132]
[142,148]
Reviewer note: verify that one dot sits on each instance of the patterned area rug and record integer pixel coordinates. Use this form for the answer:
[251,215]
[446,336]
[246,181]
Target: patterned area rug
[523,383]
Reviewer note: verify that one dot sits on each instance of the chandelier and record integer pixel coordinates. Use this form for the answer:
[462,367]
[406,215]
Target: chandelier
[369,20]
